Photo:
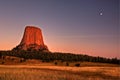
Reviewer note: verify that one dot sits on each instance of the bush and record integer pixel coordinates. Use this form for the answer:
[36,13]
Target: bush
[3,57]
[12,59]
[77,65]
[67,64]
[43,61]
[22,60]
[2,62]
[0,55]
[62,61]
[55,63]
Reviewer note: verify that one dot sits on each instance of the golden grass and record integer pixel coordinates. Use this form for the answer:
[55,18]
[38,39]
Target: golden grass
[32,69]
[10,60]
[40,72]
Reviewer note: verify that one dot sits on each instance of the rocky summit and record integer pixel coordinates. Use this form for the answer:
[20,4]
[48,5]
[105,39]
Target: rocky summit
[32,40]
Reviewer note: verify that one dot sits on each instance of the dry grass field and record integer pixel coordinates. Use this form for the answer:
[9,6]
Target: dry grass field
[31,69]
[42,72]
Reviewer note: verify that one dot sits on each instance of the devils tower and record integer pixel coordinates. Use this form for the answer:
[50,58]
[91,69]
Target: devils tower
[32,40]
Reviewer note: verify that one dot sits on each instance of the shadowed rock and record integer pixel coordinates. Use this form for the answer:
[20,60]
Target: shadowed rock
[32,40]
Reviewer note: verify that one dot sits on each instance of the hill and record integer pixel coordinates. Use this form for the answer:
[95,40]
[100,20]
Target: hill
[52,57]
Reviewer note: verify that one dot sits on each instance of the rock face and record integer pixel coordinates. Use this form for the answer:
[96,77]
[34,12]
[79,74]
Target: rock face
[32,39]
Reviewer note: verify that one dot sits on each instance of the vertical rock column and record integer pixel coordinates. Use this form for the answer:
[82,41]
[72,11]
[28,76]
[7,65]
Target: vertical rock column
[32,39]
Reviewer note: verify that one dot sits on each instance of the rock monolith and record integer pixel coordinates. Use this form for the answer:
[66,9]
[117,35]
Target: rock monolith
[32,40]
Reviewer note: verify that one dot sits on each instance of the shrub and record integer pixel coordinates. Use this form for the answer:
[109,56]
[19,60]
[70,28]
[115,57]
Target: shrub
[2,62]
[62,61]
[12,59]
[0,55]
[43,61]
[22,60]
[77,65]
[67,64]
[55,63]
[3,57]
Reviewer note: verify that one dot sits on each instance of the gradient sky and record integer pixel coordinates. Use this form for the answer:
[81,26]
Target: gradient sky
[74,26]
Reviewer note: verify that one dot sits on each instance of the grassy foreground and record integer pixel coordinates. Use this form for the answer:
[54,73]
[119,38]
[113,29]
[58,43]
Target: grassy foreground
[38,72]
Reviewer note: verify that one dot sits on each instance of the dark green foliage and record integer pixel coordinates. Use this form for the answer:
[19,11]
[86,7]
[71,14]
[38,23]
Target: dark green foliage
[64,57]
[77,65]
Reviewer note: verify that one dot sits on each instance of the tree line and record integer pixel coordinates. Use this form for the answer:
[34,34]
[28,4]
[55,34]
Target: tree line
[49,56]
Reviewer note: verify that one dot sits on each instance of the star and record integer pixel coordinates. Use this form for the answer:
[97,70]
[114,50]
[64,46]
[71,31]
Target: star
[101,14]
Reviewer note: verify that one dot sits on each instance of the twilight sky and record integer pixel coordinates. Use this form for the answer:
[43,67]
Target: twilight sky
[76,26]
